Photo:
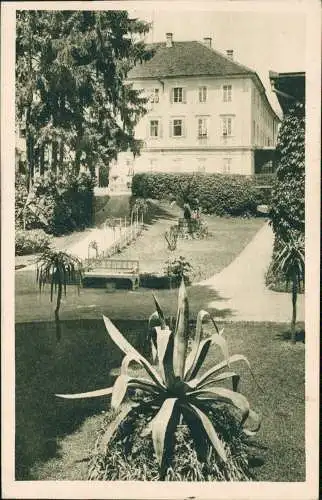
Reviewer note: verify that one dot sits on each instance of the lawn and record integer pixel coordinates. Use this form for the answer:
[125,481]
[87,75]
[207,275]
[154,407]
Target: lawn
[227,238]
[54,438]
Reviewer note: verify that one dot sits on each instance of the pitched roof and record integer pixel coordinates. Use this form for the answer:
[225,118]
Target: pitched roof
[186,59]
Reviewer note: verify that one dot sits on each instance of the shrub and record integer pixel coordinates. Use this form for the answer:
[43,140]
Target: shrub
[176,393]
[178,268]
[216,194]
[31,241]
[56,205]
[288,193]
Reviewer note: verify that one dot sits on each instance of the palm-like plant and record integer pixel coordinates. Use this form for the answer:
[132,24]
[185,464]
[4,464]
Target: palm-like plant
[58,268]
[176,391]
[290,262]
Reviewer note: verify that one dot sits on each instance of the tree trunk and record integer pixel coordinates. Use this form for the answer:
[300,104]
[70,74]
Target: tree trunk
[294,301]
[61,157]
[42,160]
[54,157]
[57,320]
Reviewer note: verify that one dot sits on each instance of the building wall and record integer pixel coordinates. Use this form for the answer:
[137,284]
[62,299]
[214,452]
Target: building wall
[264,121]
[216,153]
[213,110]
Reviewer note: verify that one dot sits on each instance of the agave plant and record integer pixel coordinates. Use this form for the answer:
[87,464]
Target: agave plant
[290,262]
[175,391]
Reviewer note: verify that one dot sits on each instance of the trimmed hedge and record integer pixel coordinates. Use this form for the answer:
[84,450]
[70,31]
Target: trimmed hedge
[31,241]
[215,193]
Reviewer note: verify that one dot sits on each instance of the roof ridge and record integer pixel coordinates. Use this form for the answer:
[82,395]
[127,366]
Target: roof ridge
[221,54]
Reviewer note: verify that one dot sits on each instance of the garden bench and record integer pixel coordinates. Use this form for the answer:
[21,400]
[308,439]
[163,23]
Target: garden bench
[103,267]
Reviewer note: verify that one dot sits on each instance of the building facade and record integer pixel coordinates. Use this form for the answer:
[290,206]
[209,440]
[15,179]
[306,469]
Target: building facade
[206,113]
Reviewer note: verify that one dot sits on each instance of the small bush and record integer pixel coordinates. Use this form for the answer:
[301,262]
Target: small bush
[56,205]
[31,241]
[217,194]
[179,268]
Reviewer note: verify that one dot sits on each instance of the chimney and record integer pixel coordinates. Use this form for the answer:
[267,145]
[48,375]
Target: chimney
[169,41]
[230,53]
[207,41]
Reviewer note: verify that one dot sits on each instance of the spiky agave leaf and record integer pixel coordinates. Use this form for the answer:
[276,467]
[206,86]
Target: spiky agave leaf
[255,418]
[191,359]
[123,382]
[207,377]
[202,353]
[181,332]
[163,426]
[164,347]
[115,424]
[127,348]
[209,430]
[160,313]
[91,394]
[215,394]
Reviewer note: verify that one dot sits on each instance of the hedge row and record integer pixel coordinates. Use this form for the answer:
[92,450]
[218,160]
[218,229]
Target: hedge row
[56,205]
[214,193]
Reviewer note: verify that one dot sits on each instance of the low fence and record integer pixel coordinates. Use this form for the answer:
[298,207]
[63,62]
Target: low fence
[125,232]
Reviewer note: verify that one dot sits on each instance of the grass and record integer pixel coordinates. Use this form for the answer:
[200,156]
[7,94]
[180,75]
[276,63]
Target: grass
[55,438]
[228,237]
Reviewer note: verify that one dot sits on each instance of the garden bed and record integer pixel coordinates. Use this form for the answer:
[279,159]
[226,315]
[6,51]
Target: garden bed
[56,438]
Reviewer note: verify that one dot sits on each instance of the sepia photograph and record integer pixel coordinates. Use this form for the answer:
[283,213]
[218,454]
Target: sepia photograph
[161,157]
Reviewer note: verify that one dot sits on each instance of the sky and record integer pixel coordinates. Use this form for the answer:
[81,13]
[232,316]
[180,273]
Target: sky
[262,40]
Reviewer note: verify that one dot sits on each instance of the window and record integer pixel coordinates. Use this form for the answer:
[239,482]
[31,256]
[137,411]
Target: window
[202,128]
[178,94]
[177,130]
[227,166]
[202,94]
[154,128]
[155,96]
[227,122]
[227,93]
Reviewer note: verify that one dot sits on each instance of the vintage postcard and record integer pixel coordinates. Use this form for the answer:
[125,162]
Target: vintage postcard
[160,170]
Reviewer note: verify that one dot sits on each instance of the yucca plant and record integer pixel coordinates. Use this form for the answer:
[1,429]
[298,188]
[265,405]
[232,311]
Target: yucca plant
[58,268]
[290,262]
[174,392]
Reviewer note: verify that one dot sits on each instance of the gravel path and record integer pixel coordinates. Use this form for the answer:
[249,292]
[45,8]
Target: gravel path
[242,285]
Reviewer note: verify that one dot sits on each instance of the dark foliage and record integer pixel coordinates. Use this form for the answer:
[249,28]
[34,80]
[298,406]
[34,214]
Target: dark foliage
[214,193]
[59,205]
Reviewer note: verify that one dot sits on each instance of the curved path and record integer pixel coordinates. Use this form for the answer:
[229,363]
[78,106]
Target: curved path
[241,285]
[237,293]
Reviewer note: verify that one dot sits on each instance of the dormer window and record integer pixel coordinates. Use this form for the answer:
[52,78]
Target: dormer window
[178,94]
[227,93]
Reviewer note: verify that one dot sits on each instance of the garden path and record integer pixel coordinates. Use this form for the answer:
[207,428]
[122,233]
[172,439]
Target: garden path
[241,285]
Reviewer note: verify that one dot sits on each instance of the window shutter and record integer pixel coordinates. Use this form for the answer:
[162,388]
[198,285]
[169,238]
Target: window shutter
[148,129]
[184,96]
[171,95]
[170,128]
[160,129]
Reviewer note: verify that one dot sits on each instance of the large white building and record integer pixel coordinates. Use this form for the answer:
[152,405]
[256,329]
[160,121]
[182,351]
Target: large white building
[206,113]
